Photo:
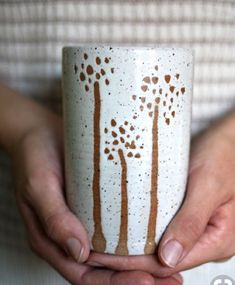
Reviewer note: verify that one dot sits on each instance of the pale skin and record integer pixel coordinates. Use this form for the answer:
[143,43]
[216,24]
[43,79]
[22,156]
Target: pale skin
[204,226]
[33,137]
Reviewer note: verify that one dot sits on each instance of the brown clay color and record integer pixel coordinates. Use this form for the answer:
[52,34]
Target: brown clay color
[82,76]
[118,133]
[167,78]
[150,242]
[98,239]
[89,70]
[122,248]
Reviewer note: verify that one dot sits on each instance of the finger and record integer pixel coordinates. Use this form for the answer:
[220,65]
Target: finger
[190,223]
[48,250]
[76,273]
[130,278]
[45,195]
[217,242]
[147,263]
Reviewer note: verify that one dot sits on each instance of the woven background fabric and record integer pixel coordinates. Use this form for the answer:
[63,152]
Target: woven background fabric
[32,34]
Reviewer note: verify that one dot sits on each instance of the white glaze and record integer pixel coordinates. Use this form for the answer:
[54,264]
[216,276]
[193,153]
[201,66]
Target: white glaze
[130,65]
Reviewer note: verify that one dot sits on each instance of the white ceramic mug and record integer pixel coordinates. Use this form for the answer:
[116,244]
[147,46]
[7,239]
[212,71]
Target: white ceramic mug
[127,113]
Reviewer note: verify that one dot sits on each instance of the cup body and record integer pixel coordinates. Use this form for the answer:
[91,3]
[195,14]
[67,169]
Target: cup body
[127,113]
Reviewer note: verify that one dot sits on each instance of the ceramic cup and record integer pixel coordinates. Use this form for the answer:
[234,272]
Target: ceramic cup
[127,113]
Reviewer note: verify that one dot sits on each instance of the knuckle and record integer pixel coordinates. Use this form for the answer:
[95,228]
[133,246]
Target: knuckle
[38,180]
[191,226]
[55,224]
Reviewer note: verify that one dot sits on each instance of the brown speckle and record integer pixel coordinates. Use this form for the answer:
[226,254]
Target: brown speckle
[177,93]
[122,139]
[102,71]
[137,155]
[141,108]
[86,87]
[155,79]
[160,90]
[149,105]
[157,100]
[173,114]
[137,137]
[106,150]
[167,121]
[110,157]
[150,114]
[114,134]
[130,154]
[172,88]
[85,56]
[125,123]
[122,130]
[172,99]
[89,69]
[134,97]
[167,78]
[144,88]
[182,90]
[132,128]
[97,60]
[105,130]
[146,79]
[113,123]
[177,76]
[143,99]
[97,76]
[115,142]
[82,76]
[132,145]
[106,81]
[106,60]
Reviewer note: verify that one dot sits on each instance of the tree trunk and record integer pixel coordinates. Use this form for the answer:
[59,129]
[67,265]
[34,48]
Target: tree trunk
[150,242]
[122,248]
[98,239]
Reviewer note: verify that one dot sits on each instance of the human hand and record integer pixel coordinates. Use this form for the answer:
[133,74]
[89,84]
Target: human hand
[204,228]
[54,233]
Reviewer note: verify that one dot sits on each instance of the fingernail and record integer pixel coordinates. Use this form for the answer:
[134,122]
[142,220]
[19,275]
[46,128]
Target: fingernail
[75,248]
[172,252]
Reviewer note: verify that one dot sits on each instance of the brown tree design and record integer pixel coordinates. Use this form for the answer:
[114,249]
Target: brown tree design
[91,75]
[152,100]
[121,138]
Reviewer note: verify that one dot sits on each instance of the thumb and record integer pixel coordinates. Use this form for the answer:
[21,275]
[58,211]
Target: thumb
[190,222]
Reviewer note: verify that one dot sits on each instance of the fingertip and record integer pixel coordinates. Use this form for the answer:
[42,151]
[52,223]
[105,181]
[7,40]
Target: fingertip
[170,253]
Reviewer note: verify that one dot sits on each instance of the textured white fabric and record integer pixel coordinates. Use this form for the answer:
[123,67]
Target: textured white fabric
[32,34]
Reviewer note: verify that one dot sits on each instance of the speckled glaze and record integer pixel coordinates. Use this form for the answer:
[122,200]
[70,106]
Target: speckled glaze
[127,113]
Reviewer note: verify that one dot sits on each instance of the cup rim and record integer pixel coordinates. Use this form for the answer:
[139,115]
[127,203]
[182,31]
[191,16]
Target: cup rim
[130,47]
